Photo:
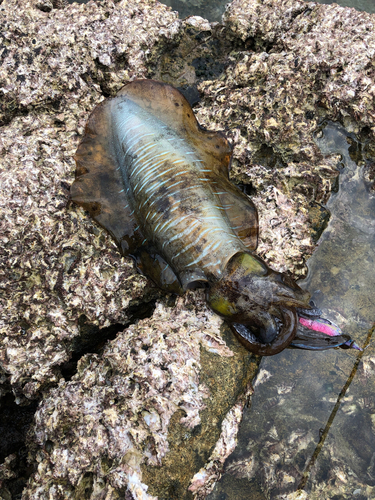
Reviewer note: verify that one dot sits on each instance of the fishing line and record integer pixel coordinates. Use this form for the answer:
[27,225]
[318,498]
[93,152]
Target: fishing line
[324,434]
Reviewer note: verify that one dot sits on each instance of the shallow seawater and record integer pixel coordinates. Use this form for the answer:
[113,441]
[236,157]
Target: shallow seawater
[311,425]
[209,9]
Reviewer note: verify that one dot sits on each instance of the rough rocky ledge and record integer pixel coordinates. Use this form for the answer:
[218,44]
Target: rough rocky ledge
[171,385]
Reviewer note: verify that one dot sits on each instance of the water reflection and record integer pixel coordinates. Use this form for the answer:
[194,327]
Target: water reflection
[341,272]
[310,432]
[211,9]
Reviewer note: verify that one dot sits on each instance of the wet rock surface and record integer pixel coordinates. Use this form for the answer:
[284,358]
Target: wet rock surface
[310,431]
[210,10]
[166,389]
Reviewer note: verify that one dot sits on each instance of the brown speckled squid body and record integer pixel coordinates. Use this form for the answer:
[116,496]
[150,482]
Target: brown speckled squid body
[158,182]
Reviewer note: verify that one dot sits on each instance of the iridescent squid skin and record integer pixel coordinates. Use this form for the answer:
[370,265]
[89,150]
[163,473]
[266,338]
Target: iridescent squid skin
[158,182]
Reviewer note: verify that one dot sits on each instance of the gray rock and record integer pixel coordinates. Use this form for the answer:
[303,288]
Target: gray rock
[159,407]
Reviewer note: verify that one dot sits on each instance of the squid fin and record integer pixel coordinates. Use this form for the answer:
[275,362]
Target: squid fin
[171,107]
[99,186]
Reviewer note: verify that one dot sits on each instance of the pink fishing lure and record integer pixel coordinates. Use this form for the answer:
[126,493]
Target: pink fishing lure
[321,325]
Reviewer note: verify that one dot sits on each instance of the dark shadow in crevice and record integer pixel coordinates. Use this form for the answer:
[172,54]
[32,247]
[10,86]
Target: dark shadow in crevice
[196,56]
[269,158]
[92,339]
[247,189]
[15,421]
[191,94]
[9,110]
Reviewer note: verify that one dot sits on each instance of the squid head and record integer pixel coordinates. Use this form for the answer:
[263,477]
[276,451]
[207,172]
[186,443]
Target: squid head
[258,303]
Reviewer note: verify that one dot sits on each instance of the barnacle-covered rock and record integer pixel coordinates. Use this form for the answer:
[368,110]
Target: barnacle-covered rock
[142,417]
[269,76]
[65,59]
[300,63]
[60,272]
[56,266]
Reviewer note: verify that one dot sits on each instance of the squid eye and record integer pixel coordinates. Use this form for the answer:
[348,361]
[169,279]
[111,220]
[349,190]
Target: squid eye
[265,327]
